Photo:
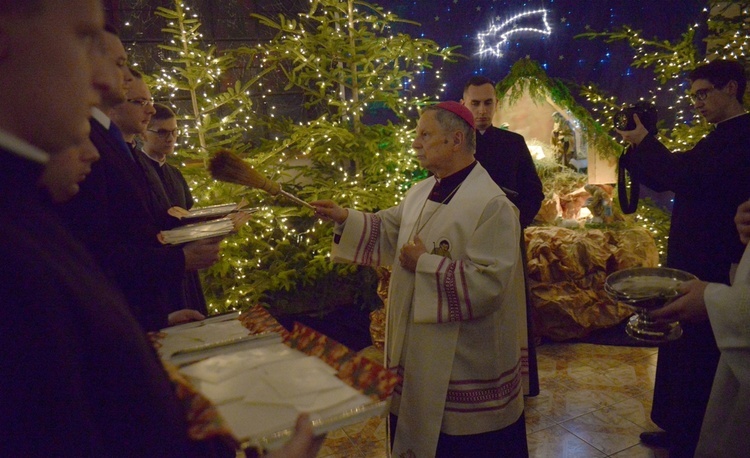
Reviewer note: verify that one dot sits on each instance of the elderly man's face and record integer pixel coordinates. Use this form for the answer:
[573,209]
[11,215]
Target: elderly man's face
[433,144]
[46,60]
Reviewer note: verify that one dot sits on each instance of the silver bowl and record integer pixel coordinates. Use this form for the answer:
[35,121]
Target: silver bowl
[647,289]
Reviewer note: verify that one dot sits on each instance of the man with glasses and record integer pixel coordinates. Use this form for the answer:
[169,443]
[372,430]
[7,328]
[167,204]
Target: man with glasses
[159,142]
[710,181]
[170,189]
[134,115]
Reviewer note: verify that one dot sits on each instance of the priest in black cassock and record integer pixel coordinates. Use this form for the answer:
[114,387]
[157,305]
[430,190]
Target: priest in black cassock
[709,181]
[507,159]
[159,142]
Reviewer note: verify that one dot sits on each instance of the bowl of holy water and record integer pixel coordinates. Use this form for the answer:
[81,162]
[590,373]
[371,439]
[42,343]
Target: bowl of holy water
[647,289]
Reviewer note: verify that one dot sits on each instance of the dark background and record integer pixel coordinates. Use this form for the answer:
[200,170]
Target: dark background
[457,23]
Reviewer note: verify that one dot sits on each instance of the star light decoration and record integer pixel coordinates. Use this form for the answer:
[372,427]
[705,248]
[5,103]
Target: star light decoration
[508,28]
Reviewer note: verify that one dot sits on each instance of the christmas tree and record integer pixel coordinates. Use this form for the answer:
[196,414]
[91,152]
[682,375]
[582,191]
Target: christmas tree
[355,81]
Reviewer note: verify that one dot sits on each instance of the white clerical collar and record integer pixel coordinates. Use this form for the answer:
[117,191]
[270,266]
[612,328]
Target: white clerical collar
[100,117]
[735,116]
[22,148]
[158,161]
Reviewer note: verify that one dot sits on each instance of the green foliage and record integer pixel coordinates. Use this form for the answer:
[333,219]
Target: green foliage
[345,64]
[343,58]
[558,179]
[668,60]
[657,222]
[219,105]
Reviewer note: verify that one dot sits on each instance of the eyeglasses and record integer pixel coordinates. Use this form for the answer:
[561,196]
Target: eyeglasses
[164,134]
[701,94]
[141,102]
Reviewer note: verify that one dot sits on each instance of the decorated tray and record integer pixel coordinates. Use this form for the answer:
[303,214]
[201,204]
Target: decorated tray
[255,385]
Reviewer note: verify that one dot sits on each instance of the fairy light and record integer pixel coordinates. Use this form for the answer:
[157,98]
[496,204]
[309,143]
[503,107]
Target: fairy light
[728,37]
[497,36]
[355,164]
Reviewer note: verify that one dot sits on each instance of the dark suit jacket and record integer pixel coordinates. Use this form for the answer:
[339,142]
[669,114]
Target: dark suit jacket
[77,376]
[174,184]
[111,216]
[508,161]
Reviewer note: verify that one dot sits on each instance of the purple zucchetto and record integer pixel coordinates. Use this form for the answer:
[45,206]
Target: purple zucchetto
[459,110]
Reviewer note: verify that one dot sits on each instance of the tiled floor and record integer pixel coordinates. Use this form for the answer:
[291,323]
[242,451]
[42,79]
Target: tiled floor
[594,402]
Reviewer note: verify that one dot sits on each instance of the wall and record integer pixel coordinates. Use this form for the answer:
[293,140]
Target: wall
[534,121]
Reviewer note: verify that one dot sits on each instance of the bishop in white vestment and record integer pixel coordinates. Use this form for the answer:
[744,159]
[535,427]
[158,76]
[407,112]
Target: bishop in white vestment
[456,320]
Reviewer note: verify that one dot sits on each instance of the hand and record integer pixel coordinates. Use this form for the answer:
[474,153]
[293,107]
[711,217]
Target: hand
[635,136]
[184,316]
[688,307]
[201,253]
[410,254]
[303,443]
[742,220]
[329,211]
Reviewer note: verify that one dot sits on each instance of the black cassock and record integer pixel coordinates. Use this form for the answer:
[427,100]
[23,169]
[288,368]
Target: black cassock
[709,182]
[168,188]
[78,376]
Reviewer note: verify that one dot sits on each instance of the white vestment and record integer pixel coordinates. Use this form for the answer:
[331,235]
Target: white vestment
[726,425]
[456,327]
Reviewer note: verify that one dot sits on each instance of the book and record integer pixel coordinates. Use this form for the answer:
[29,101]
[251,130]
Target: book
[259,384]
[210,212]
[197,231]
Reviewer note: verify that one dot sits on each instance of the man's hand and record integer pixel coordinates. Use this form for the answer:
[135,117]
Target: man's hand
[742,220]
[328,210]
[184,316]
[689,307]
[410,254]
[201,253]
[303,443]
[635,136]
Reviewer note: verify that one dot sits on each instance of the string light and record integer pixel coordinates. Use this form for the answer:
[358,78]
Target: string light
[509,28]
[335,155]
[728,37]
